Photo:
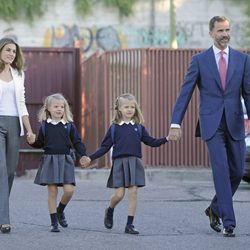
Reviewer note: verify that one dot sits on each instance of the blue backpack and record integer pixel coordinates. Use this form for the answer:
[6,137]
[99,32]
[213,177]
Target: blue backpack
[69,126]
[139,129]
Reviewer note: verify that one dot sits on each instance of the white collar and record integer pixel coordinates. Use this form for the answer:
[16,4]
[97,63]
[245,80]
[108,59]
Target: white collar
[217,51]
[49,120]
[122,122]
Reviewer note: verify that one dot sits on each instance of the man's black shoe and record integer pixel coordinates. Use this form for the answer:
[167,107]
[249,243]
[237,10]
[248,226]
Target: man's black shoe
[228,231]
[108,219]
[214,220]
[130,229]
[5,229]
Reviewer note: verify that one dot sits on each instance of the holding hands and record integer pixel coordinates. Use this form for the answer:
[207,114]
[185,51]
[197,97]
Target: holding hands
[85,161]
[31,137]
[174,134]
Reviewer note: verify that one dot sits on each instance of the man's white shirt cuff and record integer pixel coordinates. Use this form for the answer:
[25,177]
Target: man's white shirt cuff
[174,125]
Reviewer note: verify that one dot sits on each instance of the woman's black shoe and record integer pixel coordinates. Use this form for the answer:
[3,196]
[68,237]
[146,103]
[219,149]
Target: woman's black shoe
[130,229]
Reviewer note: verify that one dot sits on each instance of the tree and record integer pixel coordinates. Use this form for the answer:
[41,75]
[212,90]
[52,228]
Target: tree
[27,10]
[246,3]
[12,10]
[125,7]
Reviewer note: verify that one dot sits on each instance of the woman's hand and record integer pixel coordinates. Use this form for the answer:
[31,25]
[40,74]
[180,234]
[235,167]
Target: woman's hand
[31,138]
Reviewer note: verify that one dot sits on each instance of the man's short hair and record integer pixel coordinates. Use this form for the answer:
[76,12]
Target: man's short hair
[216,19]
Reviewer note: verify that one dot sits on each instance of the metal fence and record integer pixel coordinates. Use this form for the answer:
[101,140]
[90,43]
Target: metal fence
[48,71]
[154,76]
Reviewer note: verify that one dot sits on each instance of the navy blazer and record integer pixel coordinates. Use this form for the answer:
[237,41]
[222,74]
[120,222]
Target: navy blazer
[203,72]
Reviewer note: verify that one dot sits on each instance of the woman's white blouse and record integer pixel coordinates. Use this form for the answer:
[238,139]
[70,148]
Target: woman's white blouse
[19,96]
[8,106]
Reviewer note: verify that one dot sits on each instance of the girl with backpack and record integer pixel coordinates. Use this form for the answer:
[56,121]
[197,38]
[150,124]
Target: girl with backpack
[56,135]
[125,135]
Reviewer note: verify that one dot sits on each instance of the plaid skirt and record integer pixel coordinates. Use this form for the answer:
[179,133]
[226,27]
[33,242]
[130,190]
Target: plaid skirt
[126,172]
[56,169]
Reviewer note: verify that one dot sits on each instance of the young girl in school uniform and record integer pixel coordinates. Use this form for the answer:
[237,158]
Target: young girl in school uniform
[125,135]
[57,165]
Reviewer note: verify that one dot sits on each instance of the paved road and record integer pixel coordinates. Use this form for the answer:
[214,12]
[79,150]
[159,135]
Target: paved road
[170,215]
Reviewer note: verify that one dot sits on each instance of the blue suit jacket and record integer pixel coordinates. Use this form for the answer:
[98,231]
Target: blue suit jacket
[203,72]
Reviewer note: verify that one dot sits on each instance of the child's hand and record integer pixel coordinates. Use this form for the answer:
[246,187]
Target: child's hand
[31,138]
[85,161]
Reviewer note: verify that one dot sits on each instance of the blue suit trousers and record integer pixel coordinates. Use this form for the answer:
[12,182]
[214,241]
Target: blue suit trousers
[227,157]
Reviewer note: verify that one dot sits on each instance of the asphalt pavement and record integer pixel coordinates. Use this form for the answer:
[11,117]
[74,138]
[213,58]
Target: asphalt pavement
[170,214]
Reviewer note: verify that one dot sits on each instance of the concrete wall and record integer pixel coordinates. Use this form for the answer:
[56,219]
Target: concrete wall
[104,29]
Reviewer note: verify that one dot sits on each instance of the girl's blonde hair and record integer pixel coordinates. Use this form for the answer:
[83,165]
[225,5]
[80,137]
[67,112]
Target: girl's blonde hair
[138,117]
[44,114]
[18,62]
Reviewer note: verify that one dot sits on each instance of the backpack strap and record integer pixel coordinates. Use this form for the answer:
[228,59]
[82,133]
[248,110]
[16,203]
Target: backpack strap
[69,126]
[112,128]
[139,127]
[72,150]
[43,128]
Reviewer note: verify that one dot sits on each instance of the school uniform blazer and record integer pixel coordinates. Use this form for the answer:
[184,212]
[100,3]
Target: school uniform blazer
[20,96]
[203,72]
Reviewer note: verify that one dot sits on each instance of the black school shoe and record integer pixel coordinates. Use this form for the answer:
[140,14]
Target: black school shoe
[130,229]
[228,231]
[54,228]
[108,219]
[61,219]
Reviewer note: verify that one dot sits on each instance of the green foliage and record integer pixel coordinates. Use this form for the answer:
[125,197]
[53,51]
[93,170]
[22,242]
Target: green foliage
[125,7]
[246,4]
[12,10]
[83,7]
[27,10]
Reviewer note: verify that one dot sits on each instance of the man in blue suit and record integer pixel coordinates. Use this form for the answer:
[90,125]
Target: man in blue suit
[222,75]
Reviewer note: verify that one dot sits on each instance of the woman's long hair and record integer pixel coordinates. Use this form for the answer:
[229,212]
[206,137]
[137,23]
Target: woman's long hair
[18,62]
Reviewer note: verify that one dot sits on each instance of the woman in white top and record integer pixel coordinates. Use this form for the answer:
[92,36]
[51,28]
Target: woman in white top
[13,119]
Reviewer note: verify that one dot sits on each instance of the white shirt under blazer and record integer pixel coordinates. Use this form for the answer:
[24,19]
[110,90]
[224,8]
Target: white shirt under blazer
[19,96]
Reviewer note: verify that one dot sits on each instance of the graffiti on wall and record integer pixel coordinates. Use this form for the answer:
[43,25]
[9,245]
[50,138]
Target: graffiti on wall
[124,36]
[90,39]
[194,34]
[107,38]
